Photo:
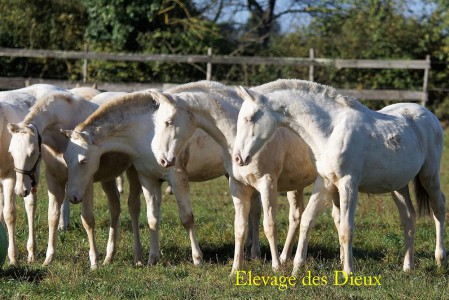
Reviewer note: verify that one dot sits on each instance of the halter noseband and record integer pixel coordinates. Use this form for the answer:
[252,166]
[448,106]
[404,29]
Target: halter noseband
[32,172]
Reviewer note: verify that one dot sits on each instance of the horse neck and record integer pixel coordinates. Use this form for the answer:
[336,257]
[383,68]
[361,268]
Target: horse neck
[123,137]
[60,116]
[305,117]
[217,117]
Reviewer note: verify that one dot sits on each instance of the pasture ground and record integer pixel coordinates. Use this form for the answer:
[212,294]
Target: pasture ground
[378,247]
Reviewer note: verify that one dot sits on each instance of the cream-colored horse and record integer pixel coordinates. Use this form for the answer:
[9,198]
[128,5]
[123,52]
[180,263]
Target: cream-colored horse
[14,105]
[126,126]
[41,126]
[354,149]
[214,108]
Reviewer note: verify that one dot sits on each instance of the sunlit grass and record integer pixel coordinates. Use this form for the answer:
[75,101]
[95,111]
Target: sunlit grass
[378,249]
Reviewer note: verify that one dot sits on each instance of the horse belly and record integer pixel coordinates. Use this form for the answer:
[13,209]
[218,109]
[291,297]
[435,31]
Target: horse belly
[387,175]
[112,164]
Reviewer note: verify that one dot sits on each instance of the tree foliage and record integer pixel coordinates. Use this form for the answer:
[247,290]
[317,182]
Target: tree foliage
[358,29]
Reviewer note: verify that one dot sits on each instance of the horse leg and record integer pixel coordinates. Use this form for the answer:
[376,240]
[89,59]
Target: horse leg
[252,240]
[407,213]
[153,196]
[110,189]
[348,201]
[241,196]
[64,218]
[134,212]
[56,193]
[296,207]
[268,195]
[9,214]
[87,217]
[430,180]
[180,185]
[30,207]
[317,203]
[336,216]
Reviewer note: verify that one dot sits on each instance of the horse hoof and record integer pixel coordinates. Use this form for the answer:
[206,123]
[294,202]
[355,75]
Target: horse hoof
[198,261]
[139,264]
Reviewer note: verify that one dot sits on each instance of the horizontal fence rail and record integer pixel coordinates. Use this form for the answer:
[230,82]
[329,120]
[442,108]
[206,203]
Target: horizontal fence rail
[210,59]
[219,59]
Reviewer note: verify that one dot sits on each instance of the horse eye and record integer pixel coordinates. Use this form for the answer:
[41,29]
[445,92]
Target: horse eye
[248,120]
[168,123]
[83,161]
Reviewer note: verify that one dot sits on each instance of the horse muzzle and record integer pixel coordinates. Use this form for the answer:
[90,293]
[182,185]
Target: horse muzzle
[242,162]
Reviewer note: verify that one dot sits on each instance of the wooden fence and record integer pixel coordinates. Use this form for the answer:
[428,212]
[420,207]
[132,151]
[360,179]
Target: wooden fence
[210,59]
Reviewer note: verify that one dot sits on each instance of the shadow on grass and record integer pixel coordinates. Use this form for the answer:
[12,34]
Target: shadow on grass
[23,274]
[222,254]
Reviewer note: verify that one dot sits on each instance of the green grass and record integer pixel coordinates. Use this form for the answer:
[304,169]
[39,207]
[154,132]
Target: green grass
[378,251]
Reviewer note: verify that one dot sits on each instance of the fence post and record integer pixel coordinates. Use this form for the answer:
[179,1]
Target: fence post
[209,65]
[85,64]
[312,56]
[426,77]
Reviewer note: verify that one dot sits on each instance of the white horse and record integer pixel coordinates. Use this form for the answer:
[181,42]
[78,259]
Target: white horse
[14,105]
[42,126]
[125,125]
[214,108]
[354,149]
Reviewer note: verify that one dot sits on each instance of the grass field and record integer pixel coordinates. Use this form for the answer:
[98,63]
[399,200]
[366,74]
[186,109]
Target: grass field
[378,248]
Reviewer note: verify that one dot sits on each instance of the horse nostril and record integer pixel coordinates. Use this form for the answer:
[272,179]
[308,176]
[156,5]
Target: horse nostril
[247,160]
[237,159]
[163,162]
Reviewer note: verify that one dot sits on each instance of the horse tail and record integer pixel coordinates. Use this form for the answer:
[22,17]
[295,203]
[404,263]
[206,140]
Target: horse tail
[422,197]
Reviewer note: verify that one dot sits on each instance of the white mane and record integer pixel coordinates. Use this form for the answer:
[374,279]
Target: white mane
[110,116]
[307,87]
[43,104]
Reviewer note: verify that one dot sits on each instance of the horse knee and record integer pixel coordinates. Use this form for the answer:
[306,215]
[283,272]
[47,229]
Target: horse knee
[346,234]
[294,218]
[269,227]
[239,230]
[187,220]
[9,215]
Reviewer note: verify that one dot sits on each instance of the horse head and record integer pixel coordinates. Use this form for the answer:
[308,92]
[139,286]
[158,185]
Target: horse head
[173,127]
[25,149]
[82,157]
[255,126]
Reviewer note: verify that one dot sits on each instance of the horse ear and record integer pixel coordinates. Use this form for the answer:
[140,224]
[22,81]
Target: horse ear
[77,86]
[246,94]
[162,98]
[94,86]
[29,129]
[13,128]
[66,133]
[83,135]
